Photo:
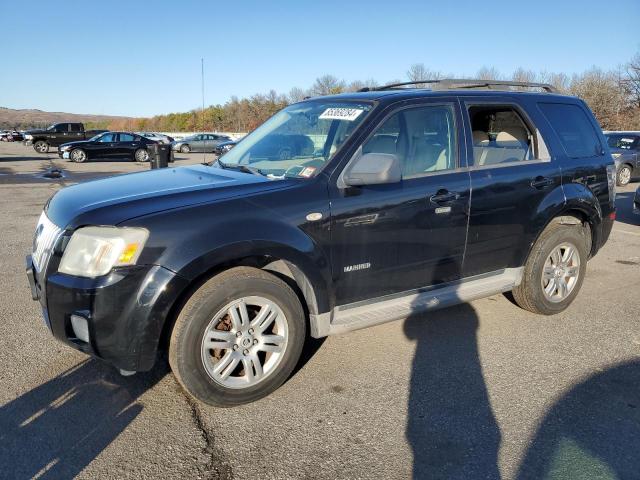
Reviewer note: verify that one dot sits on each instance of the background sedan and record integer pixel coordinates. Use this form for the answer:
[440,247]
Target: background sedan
[107,145]
[201,142]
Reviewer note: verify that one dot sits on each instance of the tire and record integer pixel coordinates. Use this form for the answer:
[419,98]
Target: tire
[530,294]
[78,155]
[623,177]
[209,310]
[41,146]
[141,155]
[185,149]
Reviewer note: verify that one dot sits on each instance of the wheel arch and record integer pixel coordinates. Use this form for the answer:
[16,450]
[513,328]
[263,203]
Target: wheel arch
[580,207]
[305,279]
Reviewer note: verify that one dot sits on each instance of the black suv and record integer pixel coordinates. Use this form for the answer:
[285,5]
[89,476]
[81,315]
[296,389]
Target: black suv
[411,200]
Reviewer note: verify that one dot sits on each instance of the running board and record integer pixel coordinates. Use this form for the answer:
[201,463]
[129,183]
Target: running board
[355,316]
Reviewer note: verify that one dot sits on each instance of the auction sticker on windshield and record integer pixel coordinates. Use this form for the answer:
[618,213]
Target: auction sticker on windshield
[348,114]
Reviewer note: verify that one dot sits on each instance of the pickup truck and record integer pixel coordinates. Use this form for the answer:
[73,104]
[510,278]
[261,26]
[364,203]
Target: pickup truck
[57,134]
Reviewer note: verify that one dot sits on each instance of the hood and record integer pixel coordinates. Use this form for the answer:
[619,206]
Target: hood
[623,151]
[77,142]
[35,130]
[113,200]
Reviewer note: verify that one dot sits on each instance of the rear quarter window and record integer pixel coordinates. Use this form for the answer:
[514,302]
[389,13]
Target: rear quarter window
[573,127]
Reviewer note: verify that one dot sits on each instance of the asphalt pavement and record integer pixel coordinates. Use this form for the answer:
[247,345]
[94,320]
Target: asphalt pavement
[479,391]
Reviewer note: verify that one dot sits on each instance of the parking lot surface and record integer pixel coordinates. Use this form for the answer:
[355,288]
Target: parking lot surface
[481,390]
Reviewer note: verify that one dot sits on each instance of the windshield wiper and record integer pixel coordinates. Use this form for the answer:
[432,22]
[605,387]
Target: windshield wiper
[240,168]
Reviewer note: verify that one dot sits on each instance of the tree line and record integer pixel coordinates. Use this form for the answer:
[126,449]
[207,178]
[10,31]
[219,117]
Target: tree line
[613,95]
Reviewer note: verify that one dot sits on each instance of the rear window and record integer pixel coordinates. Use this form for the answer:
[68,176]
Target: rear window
[574,128]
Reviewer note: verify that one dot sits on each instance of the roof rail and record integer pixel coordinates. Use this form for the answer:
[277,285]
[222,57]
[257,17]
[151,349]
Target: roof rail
[454,83]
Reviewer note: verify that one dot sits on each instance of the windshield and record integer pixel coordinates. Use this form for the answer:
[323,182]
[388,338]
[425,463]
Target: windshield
[299,140]
[52,127]
[96,137]
[626,142]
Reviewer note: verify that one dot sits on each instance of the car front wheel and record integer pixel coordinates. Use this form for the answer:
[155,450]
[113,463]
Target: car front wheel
[185,149]
[78,155]
[555,269]
[238,337]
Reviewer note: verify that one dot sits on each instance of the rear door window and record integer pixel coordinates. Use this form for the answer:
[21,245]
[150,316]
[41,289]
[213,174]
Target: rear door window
[125,137]
[500,135]
[573,127]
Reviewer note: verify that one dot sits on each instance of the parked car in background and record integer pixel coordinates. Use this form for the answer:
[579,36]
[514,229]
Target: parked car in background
[230,268]
[282,147]
[224,147]
[200,142]
[57,134]
[11,136]
[625,150]
[636,202]
[158,137]
[107,145]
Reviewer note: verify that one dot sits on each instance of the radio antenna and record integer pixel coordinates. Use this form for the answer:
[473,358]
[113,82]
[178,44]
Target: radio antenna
[204,150]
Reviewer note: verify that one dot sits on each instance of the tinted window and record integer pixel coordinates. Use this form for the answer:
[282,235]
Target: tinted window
[423,139]
[76,127]
[574,128]
[125,137]
[625,142]
[499,135]
[107,137]
[63,127]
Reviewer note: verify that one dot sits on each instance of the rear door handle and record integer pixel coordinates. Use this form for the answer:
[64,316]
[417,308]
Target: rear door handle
[444,196]
[542,182]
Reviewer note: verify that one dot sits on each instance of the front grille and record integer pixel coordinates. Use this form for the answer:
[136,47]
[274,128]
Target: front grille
[45,238]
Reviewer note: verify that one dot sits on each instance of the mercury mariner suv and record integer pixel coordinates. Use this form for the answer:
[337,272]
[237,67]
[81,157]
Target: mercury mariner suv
[404,200]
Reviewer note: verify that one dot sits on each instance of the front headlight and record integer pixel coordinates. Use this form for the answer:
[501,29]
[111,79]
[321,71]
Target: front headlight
[94,251]
[28,137]
[64,148]
[616,155]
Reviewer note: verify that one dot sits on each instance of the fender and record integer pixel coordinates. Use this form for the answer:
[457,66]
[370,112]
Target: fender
[203,239]
[566,200]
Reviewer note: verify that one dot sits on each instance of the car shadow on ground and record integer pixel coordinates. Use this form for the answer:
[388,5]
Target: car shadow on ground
[59,427]
[450,423]
[592,432]
[624,209]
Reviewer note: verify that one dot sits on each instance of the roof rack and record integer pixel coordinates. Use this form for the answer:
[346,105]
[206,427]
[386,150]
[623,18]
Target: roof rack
[453,83]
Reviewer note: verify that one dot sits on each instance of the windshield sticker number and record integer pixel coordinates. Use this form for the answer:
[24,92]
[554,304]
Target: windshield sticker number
[348,114]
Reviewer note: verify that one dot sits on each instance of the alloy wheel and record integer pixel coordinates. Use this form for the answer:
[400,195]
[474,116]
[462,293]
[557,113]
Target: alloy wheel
[624,175]
[78,156]
[560,272]
[244,342]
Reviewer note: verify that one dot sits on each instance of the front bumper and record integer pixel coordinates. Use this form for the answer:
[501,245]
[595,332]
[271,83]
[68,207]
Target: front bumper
[125,311]
[27,143]
[64,154]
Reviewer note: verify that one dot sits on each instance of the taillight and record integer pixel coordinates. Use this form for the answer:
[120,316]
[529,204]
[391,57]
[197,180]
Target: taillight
[611,180]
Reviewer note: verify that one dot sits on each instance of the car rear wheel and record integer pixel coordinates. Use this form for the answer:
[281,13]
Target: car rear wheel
[78,155]
[624,175]
[141,155]
[185,149]
[41,146]
[554,270]
[238,337]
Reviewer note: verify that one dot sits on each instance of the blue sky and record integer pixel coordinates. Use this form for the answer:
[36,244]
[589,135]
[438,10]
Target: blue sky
[124,58]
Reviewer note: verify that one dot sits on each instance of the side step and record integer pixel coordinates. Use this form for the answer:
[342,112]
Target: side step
[359,315]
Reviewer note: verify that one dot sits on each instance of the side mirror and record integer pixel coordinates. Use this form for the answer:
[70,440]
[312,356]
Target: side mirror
[373,169]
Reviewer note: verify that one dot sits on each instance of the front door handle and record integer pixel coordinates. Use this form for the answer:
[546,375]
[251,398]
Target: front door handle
[541,182]
[444,196]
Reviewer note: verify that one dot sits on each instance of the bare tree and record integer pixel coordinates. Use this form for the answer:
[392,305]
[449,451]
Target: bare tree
[328,85]
[418,72]
[297,94]
[604,95]
[488,73]
[631,80]
[360,84]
